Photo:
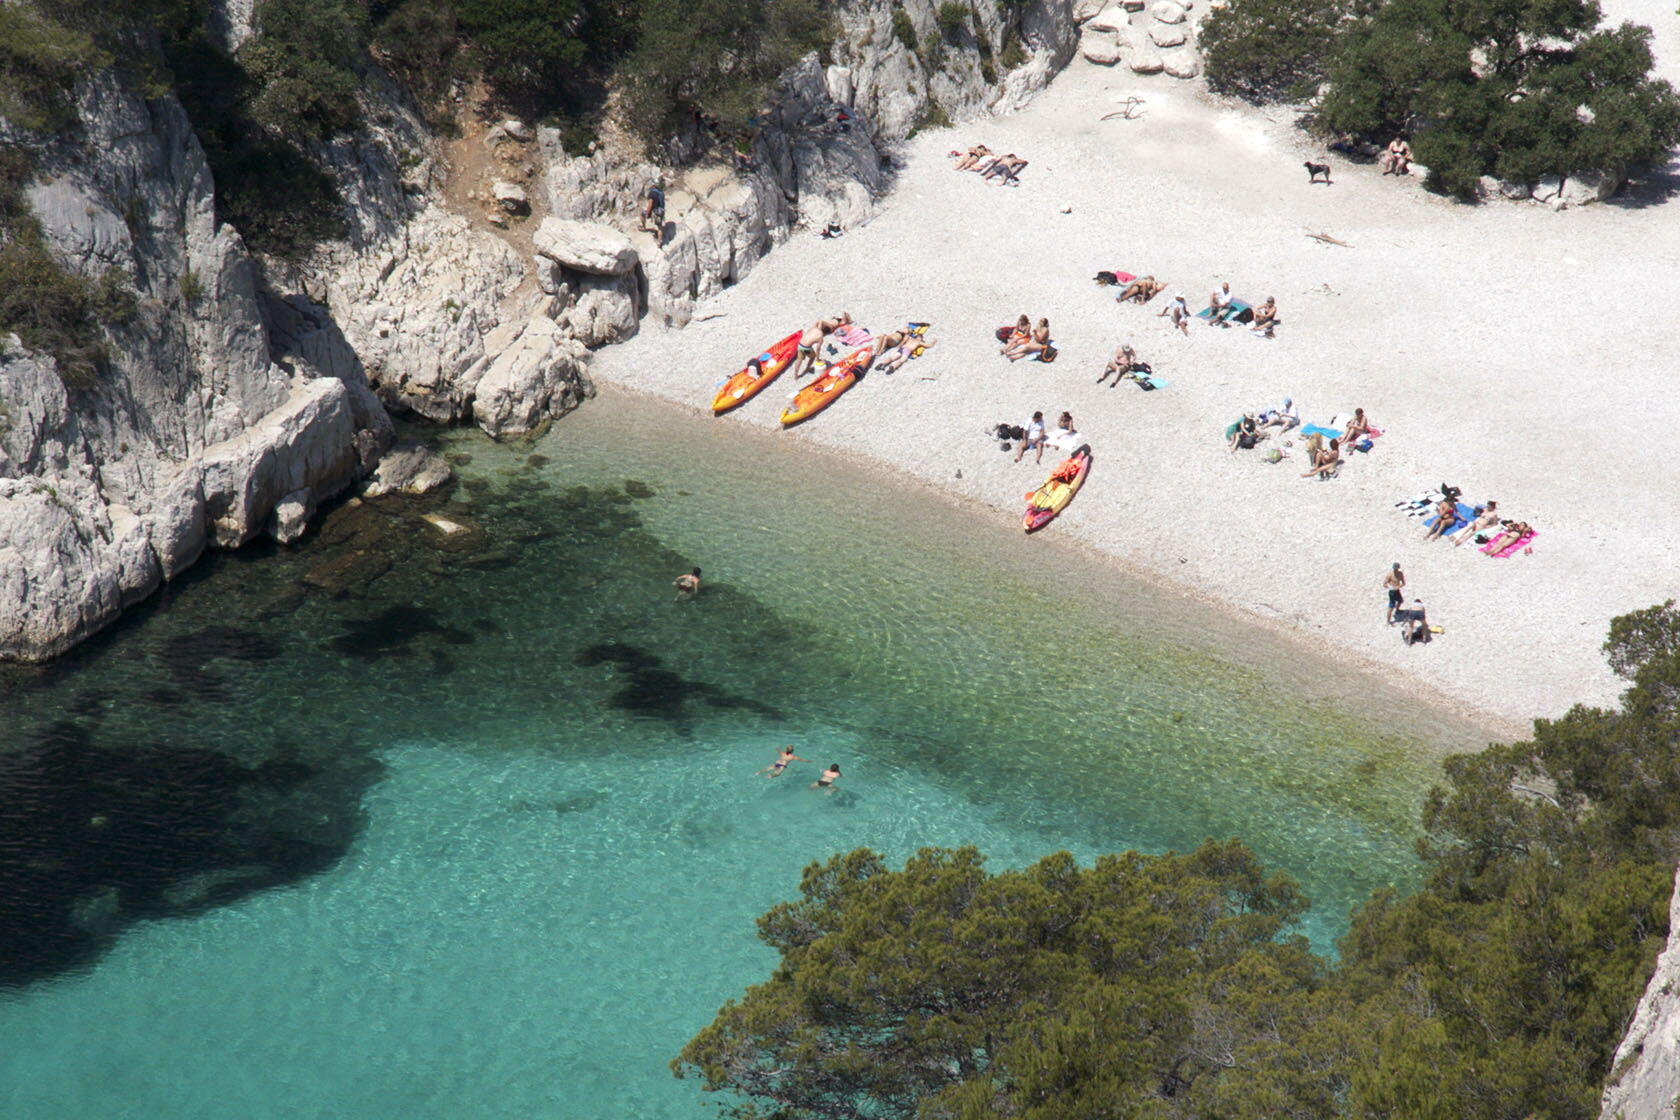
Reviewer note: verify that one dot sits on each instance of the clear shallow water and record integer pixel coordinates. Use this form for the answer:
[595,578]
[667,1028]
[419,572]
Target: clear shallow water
[482,836]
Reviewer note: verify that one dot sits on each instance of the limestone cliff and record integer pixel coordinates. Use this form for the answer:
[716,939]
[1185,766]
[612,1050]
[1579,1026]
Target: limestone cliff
[1645,1080]
[245,392]
[194,429]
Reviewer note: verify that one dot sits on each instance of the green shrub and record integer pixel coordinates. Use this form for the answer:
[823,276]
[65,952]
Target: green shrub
[716,57]
[1265,49]
[418,41]
[192,287]
[988,71]
[40,62]
[935,116]
[904,28]
[1487,88]
[952,17]
[304,62]
[1014,53]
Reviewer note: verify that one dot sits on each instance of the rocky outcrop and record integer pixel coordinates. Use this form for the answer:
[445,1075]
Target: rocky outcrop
[193,430]
[1157,38]
[1645,1079]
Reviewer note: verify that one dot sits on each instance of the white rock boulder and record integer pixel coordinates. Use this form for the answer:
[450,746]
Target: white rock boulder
[1588,187]
[539,374]
[291,516]
[1181,64]
[510,196]
[1112,20]
[592,247]
[1548,188]
[408,468]
[1167,36]
[1168,12]
[1085,9]
[1100,48]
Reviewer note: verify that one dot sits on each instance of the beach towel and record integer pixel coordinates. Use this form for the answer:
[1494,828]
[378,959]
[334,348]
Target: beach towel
[1320,429]
[1463,515]
[1511,549]
[1148,381]
[852,335]
[1240,312]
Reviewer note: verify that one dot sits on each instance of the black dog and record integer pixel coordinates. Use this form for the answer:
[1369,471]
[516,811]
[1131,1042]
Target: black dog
[1314,170]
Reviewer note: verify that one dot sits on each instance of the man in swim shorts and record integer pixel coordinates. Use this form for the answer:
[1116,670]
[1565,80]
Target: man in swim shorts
[1395,581]
[812,338]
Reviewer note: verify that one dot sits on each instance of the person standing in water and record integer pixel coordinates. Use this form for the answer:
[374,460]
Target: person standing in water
[687,586]
[774,770]
[829,777]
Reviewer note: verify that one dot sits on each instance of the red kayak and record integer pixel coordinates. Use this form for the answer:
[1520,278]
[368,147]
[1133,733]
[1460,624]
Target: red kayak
[745,385]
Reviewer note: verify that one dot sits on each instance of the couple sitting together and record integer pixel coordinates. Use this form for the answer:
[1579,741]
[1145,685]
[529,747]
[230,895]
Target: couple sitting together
[1063,437]
[1024,339]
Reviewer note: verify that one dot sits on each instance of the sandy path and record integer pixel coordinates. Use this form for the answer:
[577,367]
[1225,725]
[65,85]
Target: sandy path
[1446,323]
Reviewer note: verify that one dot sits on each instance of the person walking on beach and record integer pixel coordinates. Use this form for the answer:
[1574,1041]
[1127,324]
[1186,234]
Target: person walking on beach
[1395,582]
[829,777]
[774,770]
[688,586]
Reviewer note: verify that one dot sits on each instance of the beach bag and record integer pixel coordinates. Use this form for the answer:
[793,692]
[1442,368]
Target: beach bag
[1048,354]
[1105,278]
[1003,333]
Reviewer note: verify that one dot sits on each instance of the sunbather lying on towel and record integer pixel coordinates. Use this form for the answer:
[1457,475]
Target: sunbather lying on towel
[1007,166]
[1513,532]
[972,157]
[895,348]
[1488,519]
[1143,289]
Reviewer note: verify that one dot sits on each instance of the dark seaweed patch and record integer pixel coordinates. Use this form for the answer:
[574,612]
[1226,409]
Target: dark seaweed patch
[93,838]
[392,631]
[638,489]
[647,688]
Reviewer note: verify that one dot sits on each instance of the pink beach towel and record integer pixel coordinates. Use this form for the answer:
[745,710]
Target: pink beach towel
[1511,549]
[853,335]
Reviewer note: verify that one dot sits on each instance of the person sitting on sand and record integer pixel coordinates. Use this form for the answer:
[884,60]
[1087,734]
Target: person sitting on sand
[688,586]
[812,338]
[1033,439]
[1064,436]
[972,157]
[1488,518]
[1246,435]
[1121,365]
[1326,461]
[1285,416]
[1180,312]
[1397,157]
[1142,290]
[1512,532]
[1357,428]
[1034,344]
[1265,317]
[1219,303]
[1446,519]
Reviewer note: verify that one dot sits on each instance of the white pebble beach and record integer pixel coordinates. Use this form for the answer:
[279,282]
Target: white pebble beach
[1522,354]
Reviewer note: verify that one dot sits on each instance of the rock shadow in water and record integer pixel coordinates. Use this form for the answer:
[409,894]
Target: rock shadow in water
[393,630]
[647,688]
[94,838]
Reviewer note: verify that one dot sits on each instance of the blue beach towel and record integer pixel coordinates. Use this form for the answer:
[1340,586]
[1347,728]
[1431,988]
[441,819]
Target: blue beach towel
[1465,514]
[1240,312]
[1327,433]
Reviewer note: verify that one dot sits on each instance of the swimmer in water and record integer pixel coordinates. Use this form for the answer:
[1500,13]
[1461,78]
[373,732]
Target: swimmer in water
[687,586]
[829,777]
[774,770]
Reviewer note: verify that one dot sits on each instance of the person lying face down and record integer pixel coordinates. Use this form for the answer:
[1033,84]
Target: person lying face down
[1143,289]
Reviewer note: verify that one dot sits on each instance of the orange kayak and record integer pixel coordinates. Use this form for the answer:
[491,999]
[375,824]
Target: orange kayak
[744,386]
[1058,490]
[826,389]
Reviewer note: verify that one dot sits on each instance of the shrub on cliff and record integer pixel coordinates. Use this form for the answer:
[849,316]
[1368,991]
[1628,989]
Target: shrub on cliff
[714,57]
[304,62]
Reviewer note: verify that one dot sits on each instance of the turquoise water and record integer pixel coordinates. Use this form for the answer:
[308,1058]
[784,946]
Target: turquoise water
[400,825]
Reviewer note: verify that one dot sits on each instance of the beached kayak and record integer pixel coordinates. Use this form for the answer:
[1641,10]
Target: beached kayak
[826,389]
[1058,490]
[744,386]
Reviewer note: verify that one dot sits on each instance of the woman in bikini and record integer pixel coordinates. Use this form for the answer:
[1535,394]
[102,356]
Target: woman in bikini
[1142,290]
[972,157]
[829,777]
[1034,344]
[1513,532]
[1488,519]
[774,770]
[902,351]
[1446,518]
[1357,428]
[1325,461]
[1021,333]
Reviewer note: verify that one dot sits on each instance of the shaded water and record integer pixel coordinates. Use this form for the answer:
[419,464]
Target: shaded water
[400,824]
